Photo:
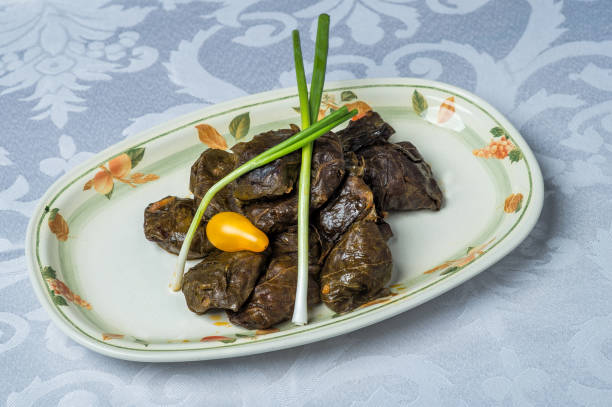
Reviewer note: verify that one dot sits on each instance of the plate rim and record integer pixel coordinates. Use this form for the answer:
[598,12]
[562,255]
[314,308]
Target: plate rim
[438,287]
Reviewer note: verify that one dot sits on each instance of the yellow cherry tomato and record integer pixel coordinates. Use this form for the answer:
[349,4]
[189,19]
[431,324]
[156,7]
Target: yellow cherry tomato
[232,232]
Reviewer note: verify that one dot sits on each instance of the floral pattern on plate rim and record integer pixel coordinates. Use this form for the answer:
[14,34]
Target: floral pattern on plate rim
[60,293]
[362,107]
[251,335]
[118,169]
[455,265]
[329,104]
[57,224]
[238,127]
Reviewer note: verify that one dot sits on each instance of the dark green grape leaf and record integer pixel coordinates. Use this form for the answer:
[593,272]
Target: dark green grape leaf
[419,103]
[498,132]
[59,300]
[135,155]
[347,95]
[239,126]
[48,272]
[515,155]
[449,270]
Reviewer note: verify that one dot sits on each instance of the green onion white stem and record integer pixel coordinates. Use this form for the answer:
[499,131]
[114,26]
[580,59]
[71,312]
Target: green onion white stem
[300,308]
[309,109]
[288,146]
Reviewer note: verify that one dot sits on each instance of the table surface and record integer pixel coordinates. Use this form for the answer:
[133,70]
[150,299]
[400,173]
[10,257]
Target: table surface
[535,329]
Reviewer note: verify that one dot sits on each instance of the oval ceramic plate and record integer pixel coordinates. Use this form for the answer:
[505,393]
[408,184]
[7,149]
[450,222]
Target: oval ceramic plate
[107,287]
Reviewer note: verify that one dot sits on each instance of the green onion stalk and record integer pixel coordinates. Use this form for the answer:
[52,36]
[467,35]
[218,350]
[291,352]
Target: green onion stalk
[309,109]
[295,142]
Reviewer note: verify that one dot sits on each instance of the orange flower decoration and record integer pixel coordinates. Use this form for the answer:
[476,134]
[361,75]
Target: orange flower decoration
[376,301]
[328,102]
[120,166]
[497,148]
[61,289]
[103,182]
[107,336]
[513,203]
[57,225]
[362,109]
[214,338]
[452,265]
[267,331]
[118,169]
[447,110]
[211,137]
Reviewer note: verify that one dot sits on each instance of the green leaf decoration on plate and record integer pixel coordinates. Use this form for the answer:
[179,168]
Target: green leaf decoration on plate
[142,342]
[59,300]
[239,126]
[419,103]
[48,272]
[498,132]
[135,155]
[449,270]
[118,169]
[52,213]
[110,193]
[347,95]
[515,155]
[245,335]
[59,292]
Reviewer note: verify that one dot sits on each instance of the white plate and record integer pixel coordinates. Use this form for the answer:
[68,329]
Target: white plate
[107,287]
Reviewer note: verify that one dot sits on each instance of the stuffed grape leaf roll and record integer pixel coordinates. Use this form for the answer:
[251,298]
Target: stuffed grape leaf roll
[400,178]
[166,223]
[210,167]
[357,269]
[273,298]
[354,201]
[223,280]
[272,216]
[272,180]
[368,130]
[287,243]
[384,229]
[327,169]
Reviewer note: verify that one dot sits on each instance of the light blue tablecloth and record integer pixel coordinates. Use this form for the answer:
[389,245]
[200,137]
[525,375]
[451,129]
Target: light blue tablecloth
[536,329]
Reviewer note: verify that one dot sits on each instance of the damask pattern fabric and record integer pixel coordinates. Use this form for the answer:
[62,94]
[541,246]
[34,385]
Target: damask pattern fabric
[535,329]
